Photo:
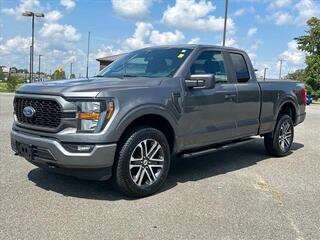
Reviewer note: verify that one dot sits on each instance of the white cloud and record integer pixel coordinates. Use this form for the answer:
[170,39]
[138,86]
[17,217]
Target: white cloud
[57,42]
[255,45]
[68,4]
[279,3]
[56,31]
[25,5]
[252,56]
[135,9]
[145,35]
[292,54]
[189,14]
[15,52]
[158,38]
[53,16]
[16,45]
[296,14]
[195,40]
[306,9]
[106,50]
[142,31]
[239,12]
[252,31]
[283,18]
[231,42]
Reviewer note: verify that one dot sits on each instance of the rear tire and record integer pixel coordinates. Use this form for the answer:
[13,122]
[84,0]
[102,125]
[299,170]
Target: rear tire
[143,162]
[280,141]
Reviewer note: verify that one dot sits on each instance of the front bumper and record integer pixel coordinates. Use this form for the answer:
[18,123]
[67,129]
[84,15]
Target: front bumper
[56,158]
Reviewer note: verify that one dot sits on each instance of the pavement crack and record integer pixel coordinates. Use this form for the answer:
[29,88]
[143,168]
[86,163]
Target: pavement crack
[277,196]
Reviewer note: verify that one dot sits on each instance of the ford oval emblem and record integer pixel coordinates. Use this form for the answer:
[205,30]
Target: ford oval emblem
[29,111]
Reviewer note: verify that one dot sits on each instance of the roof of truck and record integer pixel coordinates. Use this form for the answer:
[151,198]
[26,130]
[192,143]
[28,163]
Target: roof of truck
[193,46]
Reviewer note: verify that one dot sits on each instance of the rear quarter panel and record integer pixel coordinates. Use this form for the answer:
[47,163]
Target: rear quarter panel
[274,94]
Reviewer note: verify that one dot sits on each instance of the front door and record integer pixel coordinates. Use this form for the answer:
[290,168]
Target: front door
[209,114]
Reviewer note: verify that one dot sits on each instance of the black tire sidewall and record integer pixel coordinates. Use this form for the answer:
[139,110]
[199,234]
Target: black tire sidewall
[123,177]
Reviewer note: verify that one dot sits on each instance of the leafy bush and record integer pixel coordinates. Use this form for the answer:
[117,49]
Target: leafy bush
[12,83]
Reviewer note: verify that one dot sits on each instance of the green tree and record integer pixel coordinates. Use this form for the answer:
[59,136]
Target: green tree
[12,83]
[310,43]
[296,75]
[59,74]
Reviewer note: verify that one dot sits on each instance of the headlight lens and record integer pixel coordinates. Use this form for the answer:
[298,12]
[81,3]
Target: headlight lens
[93,115]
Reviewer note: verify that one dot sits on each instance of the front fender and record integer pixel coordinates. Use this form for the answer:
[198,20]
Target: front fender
[150,109]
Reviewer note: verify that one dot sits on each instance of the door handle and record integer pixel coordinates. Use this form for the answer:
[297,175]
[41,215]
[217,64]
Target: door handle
[229,96]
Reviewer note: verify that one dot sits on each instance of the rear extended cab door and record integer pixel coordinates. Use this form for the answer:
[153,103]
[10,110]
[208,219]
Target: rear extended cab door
[248,94]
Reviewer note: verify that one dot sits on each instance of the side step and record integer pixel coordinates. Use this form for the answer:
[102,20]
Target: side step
[218,148]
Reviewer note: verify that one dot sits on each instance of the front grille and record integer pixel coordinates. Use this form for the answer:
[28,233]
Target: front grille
[47,112]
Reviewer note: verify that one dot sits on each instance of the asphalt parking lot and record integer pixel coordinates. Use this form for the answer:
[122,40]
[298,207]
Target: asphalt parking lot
[241,193]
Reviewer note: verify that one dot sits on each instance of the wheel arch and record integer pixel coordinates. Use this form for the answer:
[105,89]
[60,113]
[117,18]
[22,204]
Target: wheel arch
[288,107]
[153,117]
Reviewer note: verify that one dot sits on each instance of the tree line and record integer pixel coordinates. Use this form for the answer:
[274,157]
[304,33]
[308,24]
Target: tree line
[310,44]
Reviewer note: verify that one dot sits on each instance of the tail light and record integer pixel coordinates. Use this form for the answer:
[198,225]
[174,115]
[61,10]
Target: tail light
[304,96]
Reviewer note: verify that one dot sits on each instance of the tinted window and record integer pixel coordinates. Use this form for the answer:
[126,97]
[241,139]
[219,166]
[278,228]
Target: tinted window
[240,67]
[153,62]
[210,62]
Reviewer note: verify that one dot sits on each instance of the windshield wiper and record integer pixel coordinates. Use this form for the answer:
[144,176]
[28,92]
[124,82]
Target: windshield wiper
[128,75]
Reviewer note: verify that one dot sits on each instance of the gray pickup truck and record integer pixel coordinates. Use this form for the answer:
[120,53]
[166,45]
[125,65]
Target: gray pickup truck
[154,103]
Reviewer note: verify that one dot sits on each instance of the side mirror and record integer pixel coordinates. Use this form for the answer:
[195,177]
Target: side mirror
[201,81]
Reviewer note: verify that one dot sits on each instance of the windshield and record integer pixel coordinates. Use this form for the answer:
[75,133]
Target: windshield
[153,62]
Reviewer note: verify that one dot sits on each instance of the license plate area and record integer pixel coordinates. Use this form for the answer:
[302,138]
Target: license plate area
[25,150]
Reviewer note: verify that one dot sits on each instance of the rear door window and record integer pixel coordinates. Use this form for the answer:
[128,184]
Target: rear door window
[240,67]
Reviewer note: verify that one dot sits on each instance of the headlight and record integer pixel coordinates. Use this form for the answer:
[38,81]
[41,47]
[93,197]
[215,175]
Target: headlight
[93,115]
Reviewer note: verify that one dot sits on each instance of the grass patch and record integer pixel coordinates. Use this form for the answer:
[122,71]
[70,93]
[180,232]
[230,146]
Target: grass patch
[3,86]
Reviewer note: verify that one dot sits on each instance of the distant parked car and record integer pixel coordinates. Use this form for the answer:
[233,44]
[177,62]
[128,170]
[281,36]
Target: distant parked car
[308,99]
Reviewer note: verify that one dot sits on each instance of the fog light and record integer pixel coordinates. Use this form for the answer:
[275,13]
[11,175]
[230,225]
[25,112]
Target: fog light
[79,148]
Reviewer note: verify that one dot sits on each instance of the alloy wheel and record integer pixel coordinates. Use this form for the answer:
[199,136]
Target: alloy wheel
[285,136]
[146,162]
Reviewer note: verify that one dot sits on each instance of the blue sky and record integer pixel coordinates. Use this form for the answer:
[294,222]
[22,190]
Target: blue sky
[264,28]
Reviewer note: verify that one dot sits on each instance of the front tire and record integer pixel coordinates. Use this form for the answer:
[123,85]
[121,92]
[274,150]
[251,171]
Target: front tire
[279,143]
[143,162]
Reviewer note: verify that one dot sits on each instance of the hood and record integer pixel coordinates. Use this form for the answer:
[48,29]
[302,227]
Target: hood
[89,87]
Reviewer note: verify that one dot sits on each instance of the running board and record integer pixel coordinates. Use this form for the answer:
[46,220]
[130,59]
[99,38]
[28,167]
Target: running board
[218,148]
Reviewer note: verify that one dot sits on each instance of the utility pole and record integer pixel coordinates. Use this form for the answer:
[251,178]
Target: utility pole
[70,69]
[225,22]
[30,67]
[32,49]
[32,14]
[264,73]
[280,70]
[87,72]
[40,66]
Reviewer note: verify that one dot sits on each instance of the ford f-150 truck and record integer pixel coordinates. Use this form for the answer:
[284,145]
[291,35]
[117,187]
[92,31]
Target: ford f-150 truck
[151,104]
